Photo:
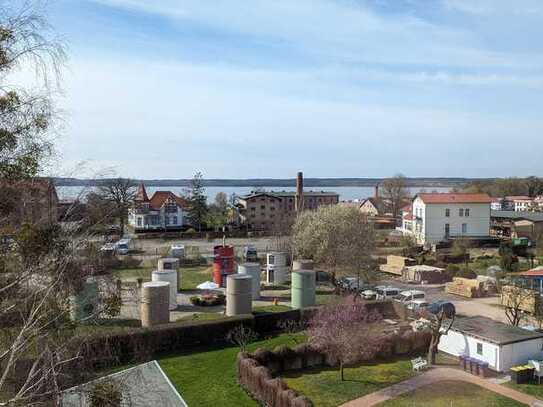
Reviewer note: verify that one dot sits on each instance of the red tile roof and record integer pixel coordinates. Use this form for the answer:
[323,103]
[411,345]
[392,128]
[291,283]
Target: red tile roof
[160,197]
[518,198]
[536,272]
[453,197]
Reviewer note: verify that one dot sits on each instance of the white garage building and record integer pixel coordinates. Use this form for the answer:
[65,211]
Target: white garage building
[500,345]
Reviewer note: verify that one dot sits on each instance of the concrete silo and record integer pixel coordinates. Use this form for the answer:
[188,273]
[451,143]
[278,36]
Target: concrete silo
[154,307]
[238,294]
[253,270]
[303,289]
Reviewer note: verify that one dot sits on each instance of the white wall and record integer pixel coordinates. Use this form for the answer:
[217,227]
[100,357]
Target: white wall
[457,344]
[434,220]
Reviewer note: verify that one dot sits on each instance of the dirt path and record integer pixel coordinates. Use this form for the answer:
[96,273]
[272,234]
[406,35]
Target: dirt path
[432,376]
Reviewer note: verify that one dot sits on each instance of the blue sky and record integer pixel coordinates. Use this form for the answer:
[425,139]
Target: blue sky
[337,88]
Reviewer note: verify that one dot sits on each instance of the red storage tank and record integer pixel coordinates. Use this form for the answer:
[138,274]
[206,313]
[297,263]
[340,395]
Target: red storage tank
[223,264]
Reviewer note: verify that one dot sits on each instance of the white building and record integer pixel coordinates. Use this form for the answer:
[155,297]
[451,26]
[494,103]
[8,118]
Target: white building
[164,211]
[519,203]
[500,345]
[436,217]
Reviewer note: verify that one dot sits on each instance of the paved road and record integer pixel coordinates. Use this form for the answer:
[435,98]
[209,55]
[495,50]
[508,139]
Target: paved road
[436,375]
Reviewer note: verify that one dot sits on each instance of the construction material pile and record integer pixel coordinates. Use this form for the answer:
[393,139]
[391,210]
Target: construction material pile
[396,264]
[465,287]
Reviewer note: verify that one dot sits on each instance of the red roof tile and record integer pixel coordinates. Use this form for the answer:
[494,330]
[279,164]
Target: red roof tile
[453,197]
[159,197]
[537,272]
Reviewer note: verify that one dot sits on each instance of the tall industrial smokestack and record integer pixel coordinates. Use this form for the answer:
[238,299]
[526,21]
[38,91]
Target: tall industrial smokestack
[299,201]
[377,191]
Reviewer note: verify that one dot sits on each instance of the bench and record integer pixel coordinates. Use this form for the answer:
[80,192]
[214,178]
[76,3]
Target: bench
[419,364]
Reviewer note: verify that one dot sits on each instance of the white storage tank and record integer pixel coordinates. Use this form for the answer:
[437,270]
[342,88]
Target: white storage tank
[155,298]
[238,294]
[277,259]
[253,270]
[277,274]
[167,271]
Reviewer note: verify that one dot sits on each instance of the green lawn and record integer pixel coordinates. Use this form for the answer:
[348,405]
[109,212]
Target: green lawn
[451,393]
[533,389]
[190,276]
[325,389]
[270,308]
[208,379]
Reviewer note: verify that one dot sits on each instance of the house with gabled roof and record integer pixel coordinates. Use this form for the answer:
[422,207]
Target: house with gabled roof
[438,217]
[163,211]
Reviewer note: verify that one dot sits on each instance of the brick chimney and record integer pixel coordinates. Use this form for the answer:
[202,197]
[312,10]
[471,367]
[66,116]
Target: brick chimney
[299,201]
[377,191]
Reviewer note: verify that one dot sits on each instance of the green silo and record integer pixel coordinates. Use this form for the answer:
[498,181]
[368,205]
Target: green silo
[303,287]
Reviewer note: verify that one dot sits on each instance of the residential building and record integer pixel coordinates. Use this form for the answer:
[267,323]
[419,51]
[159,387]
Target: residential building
[30,201]
[500,345]
[437,217]
[163,211]
[373,206]
[519,203]
[497,204]
[265,210]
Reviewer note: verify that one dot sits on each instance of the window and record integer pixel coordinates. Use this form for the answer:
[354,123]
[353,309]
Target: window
[447,229]
[466,212]
[139,221]
[262,206]
[479,348]
[175,220]
[167,220]
[461,212]
[464,228]
[447,212]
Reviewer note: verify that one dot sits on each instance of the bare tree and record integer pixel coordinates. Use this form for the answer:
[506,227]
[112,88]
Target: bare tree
[517,301]
[241,336]
[337,237]
[396,193]
[347,333]
[441,316]
[120,193]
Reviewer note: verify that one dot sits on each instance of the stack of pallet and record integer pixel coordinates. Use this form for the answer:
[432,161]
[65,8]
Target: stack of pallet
[465,287]
[396,264]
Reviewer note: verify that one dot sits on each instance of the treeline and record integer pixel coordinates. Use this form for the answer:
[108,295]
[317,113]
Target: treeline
[502,187]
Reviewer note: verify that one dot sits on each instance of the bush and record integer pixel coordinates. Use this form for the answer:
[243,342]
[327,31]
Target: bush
[106,394]
[208,300]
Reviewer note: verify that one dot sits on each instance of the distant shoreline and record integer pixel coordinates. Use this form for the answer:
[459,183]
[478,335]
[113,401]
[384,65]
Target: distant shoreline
[275,182]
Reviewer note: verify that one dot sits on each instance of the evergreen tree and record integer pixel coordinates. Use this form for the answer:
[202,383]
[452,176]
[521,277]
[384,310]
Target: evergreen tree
[197,201]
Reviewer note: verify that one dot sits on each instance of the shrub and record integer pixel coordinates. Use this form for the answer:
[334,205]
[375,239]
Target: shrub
[106,394]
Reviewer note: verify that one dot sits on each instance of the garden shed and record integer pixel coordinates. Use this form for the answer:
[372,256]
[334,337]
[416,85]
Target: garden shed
[500,345]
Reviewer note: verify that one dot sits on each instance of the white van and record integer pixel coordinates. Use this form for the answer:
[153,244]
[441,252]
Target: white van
[124,246]
[386,293]
[417,305]
[410,295]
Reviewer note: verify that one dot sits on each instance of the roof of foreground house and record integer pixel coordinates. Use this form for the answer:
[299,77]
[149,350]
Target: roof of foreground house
[492,331]
[142,386]
[452,198]
[535,272]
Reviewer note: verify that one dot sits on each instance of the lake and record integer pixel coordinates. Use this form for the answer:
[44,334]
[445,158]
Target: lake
[345,193]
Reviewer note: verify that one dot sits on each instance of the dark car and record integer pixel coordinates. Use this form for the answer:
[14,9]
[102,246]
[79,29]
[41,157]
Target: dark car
[447,307]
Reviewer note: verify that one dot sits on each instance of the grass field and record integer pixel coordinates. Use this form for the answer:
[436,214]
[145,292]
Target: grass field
[208,379]
[533,389]
[324,388]
[190,276]
[451,393]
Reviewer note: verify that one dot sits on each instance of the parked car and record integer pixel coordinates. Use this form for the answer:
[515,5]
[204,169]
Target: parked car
[410,295]
[369,294]
[447,307]
[417,305]
[108,249]
[386,293]
[124,246]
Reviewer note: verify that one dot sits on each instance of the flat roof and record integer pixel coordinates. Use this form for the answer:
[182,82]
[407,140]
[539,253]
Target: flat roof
[492,331]
[518,215]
